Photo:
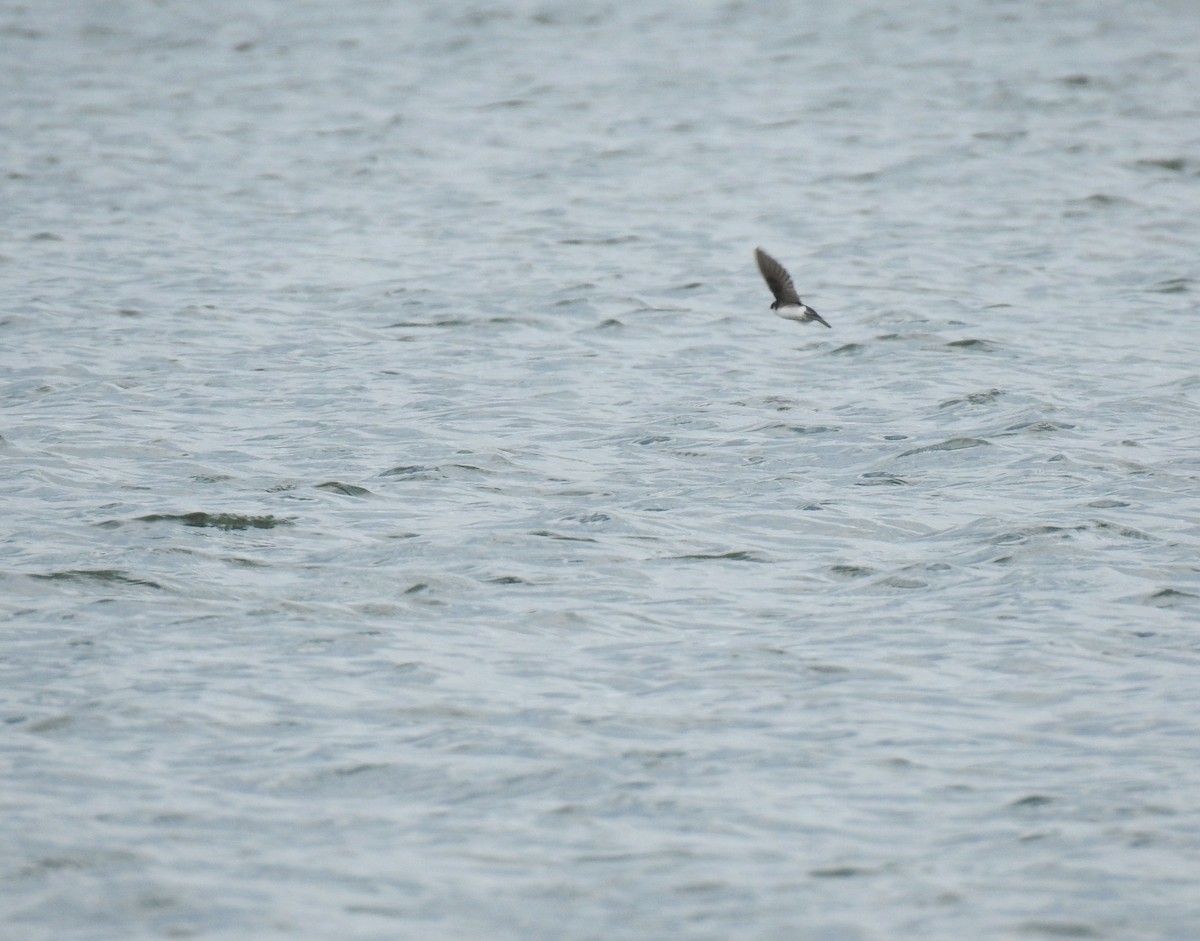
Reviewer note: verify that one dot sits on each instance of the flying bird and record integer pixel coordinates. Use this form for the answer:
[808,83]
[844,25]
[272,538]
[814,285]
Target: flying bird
[787,302]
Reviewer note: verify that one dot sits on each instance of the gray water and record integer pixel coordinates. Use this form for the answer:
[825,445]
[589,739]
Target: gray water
[416,524]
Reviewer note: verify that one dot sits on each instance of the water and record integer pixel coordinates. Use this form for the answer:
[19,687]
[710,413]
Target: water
[417,525]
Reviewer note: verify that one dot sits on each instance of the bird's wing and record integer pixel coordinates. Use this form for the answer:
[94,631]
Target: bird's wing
[777,278]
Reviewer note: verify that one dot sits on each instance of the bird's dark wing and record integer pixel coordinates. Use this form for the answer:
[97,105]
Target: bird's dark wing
[777,278]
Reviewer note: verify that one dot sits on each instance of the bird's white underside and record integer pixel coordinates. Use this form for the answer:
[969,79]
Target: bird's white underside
[792,312]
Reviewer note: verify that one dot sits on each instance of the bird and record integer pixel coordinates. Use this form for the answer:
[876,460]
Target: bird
[787,302]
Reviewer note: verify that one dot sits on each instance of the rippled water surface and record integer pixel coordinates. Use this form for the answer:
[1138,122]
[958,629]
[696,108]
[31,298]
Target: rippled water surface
[417,525]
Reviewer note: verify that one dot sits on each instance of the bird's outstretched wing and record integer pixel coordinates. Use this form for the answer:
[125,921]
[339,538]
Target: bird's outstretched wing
[777,278]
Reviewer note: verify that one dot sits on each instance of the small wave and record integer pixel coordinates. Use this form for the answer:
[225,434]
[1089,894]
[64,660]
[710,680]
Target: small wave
[951,444]
[104,576]
[346,490]
[740,555]
[226,521]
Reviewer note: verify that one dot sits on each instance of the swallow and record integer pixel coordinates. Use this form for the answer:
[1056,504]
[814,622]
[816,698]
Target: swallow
[787,302]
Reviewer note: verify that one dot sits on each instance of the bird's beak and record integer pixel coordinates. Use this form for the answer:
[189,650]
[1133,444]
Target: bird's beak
[819,319]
